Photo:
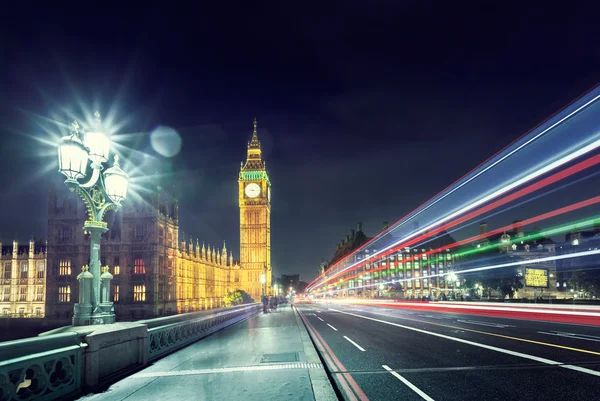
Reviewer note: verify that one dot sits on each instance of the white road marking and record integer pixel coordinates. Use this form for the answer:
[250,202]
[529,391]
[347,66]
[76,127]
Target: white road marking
[489,347]
[332,327]
[320,319]
[572,335]
[355,344]
[498,325]
[409,384]
[433,317]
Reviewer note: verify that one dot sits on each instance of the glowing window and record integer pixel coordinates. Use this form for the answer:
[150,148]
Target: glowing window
[64,267]
[139,293]
[138,266]
[64,293]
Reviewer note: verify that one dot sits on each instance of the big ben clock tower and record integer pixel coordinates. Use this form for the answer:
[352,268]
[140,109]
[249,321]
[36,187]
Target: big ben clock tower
[255,221]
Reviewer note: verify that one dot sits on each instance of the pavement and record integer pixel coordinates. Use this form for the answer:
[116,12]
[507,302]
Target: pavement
[385,353]
[265,357]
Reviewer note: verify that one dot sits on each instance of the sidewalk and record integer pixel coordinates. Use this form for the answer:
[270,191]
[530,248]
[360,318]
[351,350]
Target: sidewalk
[266,357]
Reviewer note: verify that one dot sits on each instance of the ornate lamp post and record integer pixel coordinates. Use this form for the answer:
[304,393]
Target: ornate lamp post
[100,194]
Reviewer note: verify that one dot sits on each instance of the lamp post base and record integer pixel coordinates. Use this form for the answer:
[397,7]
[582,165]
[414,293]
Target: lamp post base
[84,316]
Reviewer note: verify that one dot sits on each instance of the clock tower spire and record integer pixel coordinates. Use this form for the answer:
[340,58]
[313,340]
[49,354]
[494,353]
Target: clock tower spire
[255,221]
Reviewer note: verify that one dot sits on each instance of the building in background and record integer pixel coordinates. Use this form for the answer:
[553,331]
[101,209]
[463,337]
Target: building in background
[23,280]
[155,273]
[255,223]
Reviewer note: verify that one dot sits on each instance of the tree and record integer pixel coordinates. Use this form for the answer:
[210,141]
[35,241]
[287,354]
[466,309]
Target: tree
[490,284]
[237,297]
[507,285]
[587,281]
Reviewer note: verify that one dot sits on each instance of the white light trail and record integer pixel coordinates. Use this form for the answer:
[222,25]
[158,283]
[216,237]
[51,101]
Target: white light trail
[484,268]
[570,157]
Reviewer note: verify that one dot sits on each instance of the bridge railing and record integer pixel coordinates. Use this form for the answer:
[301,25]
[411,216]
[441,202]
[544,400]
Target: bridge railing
[41,368]
[168,334]
[70,361]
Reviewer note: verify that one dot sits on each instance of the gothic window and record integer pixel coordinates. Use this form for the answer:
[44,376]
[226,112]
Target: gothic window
[117,270]
[24,269]
[23,294]
[40,270]
[139,231]
[139,293]
[7,270]
[117,260]
[116,293]
[64,267]
[64,293]
[64,234]
[39,293]
[138,266]
[6,296]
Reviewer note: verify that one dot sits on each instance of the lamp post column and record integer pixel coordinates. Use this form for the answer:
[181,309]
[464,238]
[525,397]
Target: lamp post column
[96,232]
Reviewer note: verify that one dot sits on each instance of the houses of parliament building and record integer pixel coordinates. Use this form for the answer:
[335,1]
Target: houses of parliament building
[156,270]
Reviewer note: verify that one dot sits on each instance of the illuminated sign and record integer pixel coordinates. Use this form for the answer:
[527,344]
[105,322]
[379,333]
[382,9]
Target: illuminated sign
[536,277]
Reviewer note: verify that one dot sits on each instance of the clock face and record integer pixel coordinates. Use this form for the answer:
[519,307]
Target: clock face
[252,190]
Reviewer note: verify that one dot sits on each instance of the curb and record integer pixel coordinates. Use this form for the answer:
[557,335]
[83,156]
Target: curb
[321,385]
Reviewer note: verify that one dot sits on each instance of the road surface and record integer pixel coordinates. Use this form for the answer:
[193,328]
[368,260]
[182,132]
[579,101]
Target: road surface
[378,353]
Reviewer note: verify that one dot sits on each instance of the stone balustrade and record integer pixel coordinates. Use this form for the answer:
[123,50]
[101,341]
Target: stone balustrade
[69,361]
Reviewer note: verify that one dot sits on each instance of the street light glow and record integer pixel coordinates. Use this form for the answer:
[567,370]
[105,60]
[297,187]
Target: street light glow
[72,155]
[116,181]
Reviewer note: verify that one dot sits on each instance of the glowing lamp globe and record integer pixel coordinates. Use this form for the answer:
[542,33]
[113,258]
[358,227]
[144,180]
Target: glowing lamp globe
[98,144]
[116,182]
[72,156]
[263,278]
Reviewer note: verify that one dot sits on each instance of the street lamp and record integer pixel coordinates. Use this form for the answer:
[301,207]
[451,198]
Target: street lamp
[103,192]
[263,281]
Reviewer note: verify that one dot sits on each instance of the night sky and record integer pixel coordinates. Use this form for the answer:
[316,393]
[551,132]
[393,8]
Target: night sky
[365,109]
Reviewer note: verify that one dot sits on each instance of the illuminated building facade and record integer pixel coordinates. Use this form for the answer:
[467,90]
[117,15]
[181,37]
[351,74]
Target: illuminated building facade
[23,280]
[405,273]
[155,273]
[255,222]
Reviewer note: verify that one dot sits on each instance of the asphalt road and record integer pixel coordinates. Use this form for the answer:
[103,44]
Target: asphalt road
[377,353]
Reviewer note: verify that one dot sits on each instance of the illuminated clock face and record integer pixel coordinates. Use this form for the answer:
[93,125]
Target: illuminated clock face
[252,190]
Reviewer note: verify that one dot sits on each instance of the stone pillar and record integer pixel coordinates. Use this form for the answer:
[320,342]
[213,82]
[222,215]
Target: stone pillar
[83,309]
[105,286]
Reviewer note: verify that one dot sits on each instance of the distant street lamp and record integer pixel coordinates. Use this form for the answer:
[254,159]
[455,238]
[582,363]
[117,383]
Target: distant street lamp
[263,281]
[103,192]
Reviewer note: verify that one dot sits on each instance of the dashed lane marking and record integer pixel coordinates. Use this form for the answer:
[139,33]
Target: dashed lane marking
[355,344]
[409,384]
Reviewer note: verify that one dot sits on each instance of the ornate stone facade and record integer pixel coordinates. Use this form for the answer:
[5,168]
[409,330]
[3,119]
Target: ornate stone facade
[155,273]
[23,279]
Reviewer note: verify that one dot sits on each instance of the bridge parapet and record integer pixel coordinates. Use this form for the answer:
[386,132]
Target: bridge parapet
[41,368]
[168,334]
[70,361]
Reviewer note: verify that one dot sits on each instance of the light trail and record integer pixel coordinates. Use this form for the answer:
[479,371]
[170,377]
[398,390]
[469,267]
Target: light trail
[545,233]
[412,215]
[409,217]
[485,268]
[410,240]
[544,216]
